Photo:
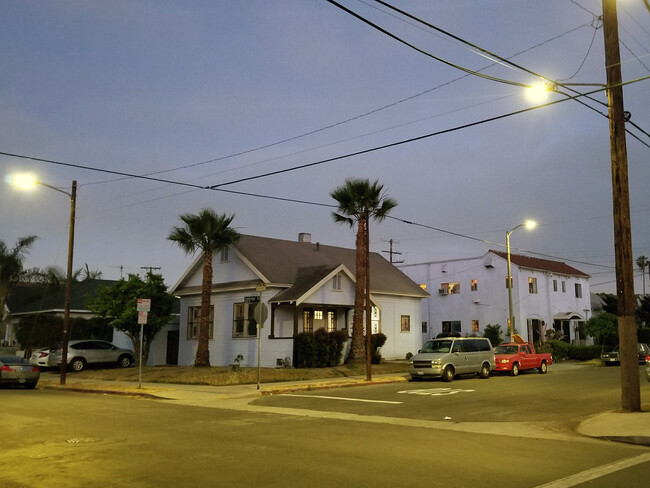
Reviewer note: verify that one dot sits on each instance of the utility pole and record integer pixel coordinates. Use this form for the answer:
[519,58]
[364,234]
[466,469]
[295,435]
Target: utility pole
[630,388]
[391,252]
[151,268]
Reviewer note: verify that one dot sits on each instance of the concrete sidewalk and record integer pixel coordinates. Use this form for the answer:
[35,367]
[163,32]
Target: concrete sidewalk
[633,428]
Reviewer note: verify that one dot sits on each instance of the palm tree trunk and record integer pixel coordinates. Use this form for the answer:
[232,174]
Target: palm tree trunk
[357,349]
[203,350]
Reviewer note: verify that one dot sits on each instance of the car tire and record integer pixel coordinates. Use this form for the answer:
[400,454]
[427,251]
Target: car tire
[124,361]
[448,374]
[484,373]
[77,364]
[515,370]
[543,368]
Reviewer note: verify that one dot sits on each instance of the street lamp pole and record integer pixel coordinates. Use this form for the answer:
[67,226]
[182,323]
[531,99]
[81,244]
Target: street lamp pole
[529,224]
[68,283]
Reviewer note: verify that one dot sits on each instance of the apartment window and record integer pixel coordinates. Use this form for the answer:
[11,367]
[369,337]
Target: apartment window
[224,255]
[336,282]
[532,285]
[424,327]
[450,288]
[194,321]
[308,321]
[578,290]
[451,326]
[554,285]
[563,286]
[244,323]
[475,326]
[406,323]
[473,285]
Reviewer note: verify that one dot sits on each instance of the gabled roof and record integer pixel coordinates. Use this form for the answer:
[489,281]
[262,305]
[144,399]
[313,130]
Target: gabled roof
[301,264]
[307,280]
[43,301]
[541,264]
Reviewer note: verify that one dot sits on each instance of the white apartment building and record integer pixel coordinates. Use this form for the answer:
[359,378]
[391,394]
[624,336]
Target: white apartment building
[468,294]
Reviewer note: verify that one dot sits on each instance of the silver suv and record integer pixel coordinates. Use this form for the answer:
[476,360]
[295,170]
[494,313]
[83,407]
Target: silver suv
[83,352]
[450,356]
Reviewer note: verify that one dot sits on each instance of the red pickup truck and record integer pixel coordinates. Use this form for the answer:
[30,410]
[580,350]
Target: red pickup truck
[519,356]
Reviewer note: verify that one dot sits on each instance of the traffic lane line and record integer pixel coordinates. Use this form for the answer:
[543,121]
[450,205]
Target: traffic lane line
[343,398]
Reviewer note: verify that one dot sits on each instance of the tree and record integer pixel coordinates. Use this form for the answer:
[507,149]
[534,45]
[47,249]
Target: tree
[603,327]
[610,302]
[209,232]
[643,263]
[359,201]
[493,332]
[11,267]
[119,303]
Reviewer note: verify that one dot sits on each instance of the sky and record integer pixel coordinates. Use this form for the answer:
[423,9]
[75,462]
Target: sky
[148,104]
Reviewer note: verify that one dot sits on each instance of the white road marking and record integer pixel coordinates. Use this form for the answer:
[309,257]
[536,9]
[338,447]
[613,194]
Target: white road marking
[343,398]
[599,472]
[434,391]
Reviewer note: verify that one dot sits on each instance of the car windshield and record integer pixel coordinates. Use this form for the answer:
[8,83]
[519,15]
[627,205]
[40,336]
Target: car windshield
[506,350]
[437,346]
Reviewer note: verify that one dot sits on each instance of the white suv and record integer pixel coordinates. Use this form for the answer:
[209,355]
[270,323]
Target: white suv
[83,352]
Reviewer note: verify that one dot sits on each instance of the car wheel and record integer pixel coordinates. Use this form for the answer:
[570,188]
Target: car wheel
[515,370]
[77,364]
[485,371]
[543,368]
[124,361]
[448,374]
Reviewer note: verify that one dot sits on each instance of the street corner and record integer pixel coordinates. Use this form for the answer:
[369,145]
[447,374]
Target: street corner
[330,384]
[105,389]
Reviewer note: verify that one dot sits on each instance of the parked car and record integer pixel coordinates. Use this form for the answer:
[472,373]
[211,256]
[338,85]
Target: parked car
[647,367]
[40,357]
[613,356]
[447,357]
[15,370]
[513,357]
[84,352]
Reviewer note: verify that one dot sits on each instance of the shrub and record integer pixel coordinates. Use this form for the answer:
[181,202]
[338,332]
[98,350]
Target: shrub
[559,349]
[493,332]
[584,353]
[320,349]
[376,341]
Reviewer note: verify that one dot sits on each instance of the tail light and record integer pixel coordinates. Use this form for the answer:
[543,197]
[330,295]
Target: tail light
[8,369]
[43,354]
[34,369]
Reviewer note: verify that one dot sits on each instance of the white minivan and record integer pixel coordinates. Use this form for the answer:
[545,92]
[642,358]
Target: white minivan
[448,357]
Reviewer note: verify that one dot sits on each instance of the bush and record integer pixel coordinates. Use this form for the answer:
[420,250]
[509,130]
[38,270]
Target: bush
[376,341]
[584,353]
[493,332]
[559,349]
[320,349]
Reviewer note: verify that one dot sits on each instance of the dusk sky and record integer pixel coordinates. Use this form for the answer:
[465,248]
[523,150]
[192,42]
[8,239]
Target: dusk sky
[202,93]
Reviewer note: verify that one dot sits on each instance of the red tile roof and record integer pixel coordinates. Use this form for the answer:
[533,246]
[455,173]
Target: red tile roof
[541,264]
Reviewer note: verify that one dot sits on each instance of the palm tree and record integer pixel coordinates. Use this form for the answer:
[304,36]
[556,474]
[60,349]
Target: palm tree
[208,232]
[643,263]
[358,202]
[11,267]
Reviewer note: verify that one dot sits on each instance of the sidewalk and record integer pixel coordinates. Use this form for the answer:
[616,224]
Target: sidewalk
[632,428]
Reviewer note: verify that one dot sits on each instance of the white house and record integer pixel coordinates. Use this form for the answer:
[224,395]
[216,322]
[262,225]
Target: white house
[468,294]
[305,286]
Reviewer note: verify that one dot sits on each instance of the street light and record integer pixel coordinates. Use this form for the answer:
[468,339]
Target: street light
[25,181]
[529,224]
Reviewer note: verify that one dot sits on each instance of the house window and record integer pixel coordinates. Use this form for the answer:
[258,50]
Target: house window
[578,290]
[563,286]
[244,323]
[473,285]
[451,326]
[406,323]
[532,285]
[331,320]
[336,282]
[554,285]
[194,321]
[475,326]
[224,254]
[318,315]
[308,321]
[375,320]
[424,327]
[450,288]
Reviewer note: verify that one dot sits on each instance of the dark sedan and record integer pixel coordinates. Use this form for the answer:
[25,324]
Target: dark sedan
[15,370]
[613,356]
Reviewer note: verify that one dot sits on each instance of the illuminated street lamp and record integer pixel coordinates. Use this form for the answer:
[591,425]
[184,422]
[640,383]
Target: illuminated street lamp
[28,181]
[529,224]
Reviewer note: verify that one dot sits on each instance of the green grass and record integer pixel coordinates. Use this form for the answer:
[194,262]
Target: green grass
[220,376]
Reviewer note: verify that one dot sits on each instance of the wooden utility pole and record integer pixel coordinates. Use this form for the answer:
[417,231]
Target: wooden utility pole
[630,388]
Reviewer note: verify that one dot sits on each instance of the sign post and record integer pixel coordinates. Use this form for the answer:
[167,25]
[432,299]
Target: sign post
[261,312]
[144,306]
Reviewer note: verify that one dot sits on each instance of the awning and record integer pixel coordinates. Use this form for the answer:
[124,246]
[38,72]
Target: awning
[568,316]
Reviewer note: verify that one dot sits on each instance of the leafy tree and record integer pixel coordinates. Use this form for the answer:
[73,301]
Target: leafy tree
[493,332]
[209,232]
[603,327]
[119,303]
[643,311]
[643,263]
[610,302]
[359,201]
[11,268]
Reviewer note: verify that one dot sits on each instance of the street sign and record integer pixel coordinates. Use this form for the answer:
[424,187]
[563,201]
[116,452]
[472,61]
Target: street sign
[144,305]
[261,313]
[142,318]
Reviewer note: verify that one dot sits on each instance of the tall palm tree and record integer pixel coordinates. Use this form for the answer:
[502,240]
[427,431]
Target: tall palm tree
[11,267]
[209,232]
[359,201]
[643,263]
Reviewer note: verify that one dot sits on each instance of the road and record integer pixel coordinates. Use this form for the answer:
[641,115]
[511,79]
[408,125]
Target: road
[65,439]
